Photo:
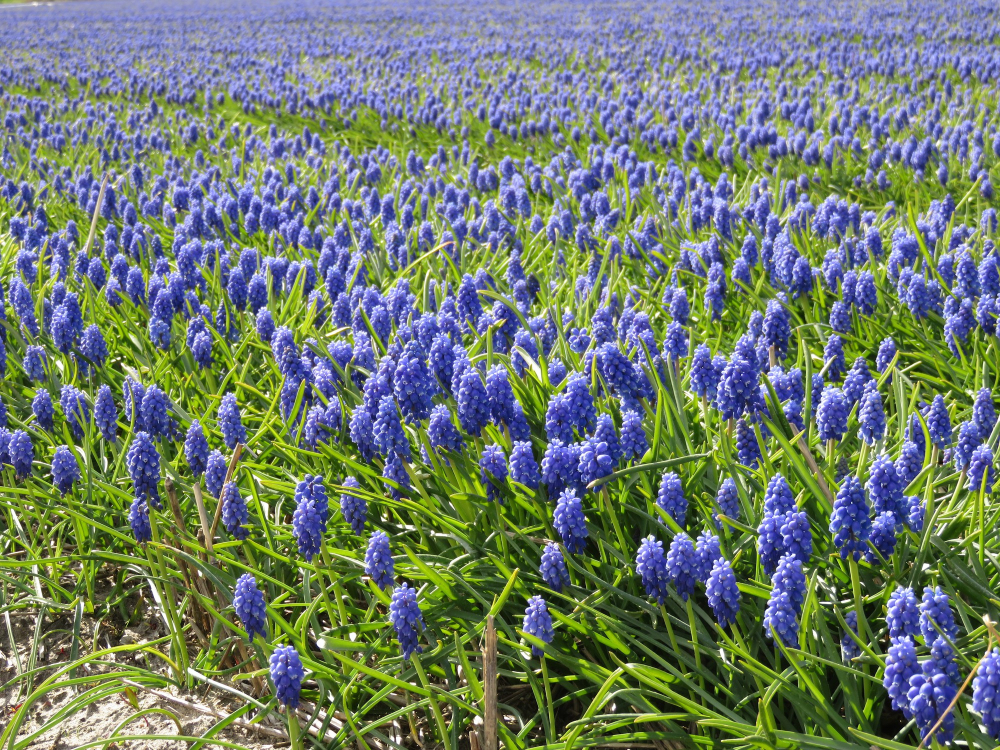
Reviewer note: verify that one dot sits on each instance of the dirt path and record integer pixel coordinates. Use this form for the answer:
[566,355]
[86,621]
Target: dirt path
[92,717]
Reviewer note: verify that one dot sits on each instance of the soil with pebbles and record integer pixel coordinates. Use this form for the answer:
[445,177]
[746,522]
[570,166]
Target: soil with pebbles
[100,719]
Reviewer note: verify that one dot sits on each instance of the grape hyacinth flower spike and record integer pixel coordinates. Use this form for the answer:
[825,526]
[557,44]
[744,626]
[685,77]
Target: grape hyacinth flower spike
[248,601]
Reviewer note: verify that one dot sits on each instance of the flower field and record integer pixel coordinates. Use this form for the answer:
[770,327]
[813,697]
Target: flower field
[553,375]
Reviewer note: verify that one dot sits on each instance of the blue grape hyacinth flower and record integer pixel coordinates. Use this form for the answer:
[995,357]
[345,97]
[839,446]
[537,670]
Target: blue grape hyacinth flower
[930,696]
[286,674]
[216,469]
[231,422]
[683,565]
[138,519]
[406,618]
[196,449]
[570,522]
[936,615]
[538,623]
[106,414]
[310,516]
[850,522]
[235,515]
[900,666]
[143,461]
[553,568]
[986,692]
[902,614]
[65,470]
[353,507]
[248,601]
[523,467]
[723,592]
[651,565]
[493,471]
[670,497]
[378,560]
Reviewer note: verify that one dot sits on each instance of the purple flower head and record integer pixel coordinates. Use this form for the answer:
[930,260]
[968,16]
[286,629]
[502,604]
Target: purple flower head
[138,519]
[570,522]
[723,592]
[930,696]
[493,471]
[902,614]
[286,674]
[871,415]
[780,619]
[406,619]
[106,414]
[215,473]
[155,412]
[984,413]
[143,462]
[235,515]
[353,507]
[310,516]
[936,616]
[831,417]
[850,523]
[968,440]
[248,601]
[553,568]
[849,648]
[670,497]
[986,692]
[473,403]
[231,422]
[65,469]
[981,470]
[885,488]
[886,353]
[378,560]
[523,467]
[41,407]
[683,565]
[75,409]
[938,423]
[633,438]
[882,538]
[389,436]
[708,550]
[651,565]
[538,623]
[900,665]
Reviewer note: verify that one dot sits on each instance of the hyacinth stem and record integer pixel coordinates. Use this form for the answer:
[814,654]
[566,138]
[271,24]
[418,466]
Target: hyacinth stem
[862,460]
[83,549]
[670,629]
[863,632]
[327,604]
[930,515]
[435,708]
[609,509]
[981,511]
[694,641]
[206,525]
[958,490]
[165,595]
[294,733]
[501,534]
[550,734]
[338,591]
